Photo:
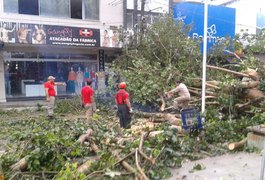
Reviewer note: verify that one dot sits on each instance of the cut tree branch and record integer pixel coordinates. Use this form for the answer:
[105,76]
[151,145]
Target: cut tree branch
[228,71]
[236,145]
[138,166]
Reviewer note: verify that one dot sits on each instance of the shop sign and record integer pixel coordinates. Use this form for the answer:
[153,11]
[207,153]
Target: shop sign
[221,21]
[59,35]
[48,34]
[101,60]
[110,38]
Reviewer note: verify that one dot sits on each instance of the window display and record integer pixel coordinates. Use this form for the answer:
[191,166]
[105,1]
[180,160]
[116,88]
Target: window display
[26,78]
[71,80]
[79,81]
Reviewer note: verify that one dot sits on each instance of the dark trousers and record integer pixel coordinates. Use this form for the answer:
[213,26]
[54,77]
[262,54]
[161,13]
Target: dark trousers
[124,115]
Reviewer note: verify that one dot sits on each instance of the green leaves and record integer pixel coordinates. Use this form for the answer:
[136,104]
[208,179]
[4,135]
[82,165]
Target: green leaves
[165,51]
[47,144]
[69,172]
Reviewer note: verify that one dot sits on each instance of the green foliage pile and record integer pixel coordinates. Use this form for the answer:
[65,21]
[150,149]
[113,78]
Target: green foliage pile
[65,106]
[164,54]
[47,145]
[51,150]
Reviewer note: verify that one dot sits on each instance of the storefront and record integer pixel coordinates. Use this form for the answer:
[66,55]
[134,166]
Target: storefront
[33,52]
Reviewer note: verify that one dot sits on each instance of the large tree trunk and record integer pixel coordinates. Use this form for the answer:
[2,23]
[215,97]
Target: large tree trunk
[253,74]
[254,93]
[250,84]
[158,117]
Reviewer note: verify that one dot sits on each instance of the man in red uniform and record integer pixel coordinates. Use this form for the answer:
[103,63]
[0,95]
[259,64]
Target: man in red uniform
[124,106]
[50,94]
[87,95]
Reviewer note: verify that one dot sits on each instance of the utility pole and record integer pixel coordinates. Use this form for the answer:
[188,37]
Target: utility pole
[135,10]
[125,21]
[142,20]
[142,8]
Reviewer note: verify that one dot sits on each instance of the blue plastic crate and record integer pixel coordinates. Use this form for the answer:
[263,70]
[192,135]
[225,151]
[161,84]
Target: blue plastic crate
[191,119]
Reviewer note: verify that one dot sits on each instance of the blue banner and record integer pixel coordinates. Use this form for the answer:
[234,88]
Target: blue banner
[260,21]
[221,20]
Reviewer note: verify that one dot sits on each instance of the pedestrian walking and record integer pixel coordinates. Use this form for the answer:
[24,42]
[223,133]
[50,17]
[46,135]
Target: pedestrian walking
[122,100]
[50,94]
[88,101]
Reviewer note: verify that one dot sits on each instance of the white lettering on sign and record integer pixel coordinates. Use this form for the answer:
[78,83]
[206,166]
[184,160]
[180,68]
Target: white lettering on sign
[211,35]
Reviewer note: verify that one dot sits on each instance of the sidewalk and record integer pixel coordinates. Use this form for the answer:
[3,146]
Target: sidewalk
[238,166]
[22,104]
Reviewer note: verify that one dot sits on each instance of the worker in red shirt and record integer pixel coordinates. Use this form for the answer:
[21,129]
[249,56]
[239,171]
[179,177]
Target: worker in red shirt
[87,95]
[50,94]
[124,106]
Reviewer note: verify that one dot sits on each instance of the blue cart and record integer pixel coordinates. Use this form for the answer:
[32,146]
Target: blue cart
[191,119]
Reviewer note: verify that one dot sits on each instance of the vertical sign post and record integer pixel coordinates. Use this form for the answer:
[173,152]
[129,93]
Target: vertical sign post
[101,55]
[204,57]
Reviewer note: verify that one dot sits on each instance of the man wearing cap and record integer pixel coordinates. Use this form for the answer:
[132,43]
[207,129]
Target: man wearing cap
[124,106]
[50,94]
[184,95]
[87,95]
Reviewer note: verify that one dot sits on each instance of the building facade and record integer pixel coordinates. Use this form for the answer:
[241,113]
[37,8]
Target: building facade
[151,11]
[69,39]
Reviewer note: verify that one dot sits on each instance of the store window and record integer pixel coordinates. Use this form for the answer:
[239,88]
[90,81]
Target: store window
[76,9]
[28,7]
[26,78]
[54,8]
[129,18]
[11,6]
[91,9]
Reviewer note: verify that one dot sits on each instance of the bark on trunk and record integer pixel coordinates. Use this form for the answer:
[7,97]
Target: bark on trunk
[254,93]
[250,84]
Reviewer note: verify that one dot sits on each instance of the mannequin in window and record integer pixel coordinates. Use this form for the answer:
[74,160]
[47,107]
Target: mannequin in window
[93,77]
[60,76]
[79,81]
[86,75]
[71,80]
